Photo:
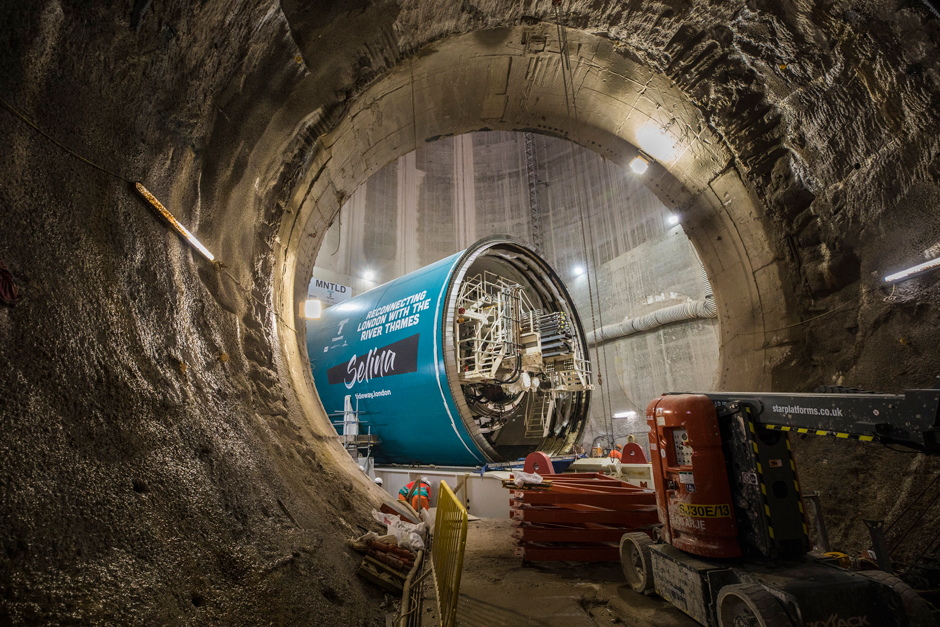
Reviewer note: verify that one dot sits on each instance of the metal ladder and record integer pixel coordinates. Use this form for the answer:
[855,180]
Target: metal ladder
[537,418]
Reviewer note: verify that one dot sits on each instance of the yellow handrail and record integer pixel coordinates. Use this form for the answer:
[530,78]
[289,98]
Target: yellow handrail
[447,550]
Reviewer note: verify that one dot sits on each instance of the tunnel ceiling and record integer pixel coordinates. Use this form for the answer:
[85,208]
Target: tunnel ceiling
[148,477]
[761,110]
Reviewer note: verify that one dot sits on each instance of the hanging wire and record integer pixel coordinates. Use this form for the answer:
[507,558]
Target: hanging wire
[75,155]
[913,502]
[567,76]
[59,144]
[923,513]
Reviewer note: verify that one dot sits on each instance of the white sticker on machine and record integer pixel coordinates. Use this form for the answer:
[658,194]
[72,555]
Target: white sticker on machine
[749,478]
[686,477]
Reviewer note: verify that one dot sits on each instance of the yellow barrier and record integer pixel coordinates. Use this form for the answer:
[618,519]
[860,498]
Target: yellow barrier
[450,540]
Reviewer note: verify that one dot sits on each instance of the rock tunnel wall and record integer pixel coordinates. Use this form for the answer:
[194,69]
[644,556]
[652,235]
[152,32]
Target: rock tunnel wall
[145,480]
[137,490]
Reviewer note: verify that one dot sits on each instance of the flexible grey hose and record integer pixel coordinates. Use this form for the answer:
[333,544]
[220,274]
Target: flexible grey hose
[685,311]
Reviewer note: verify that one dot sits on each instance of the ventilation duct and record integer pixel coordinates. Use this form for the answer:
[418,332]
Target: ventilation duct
[686,311]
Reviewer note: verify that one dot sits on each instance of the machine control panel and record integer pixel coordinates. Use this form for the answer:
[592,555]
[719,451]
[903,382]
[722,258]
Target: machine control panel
[680,441]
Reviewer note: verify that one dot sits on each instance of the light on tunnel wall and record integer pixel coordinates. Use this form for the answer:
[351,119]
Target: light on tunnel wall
[312,309]
[625,414]
[639,164]
[673,220]
[368,275]
[656,141]
[173,222]
[933,264]
[577,270]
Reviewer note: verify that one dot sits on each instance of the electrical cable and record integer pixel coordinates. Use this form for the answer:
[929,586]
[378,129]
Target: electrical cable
[566,79]
[923,551]
[252,297]
[60,145]
[825,313]
[516,373]
[914,524]
[339,234]
[912,504]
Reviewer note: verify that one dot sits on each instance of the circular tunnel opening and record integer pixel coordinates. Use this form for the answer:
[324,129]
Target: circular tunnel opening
[438,199]
[687,176]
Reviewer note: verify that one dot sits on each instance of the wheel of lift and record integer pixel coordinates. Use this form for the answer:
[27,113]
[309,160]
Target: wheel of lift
[636,560]
[750,605]
[916,609]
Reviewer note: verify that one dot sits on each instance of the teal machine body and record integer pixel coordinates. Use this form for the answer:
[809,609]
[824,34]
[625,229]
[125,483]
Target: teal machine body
[476,358]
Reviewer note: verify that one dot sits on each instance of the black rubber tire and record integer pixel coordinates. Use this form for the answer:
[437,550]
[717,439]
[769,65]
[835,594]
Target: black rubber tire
[750,605]
[637,561]
[916,609]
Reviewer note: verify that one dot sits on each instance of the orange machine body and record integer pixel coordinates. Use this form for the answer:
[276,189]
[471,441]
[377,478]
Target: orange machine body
[692,489]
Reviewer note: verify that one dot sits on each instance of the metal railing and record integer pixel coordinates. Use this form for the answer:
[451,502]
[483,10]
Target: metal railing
[447,551]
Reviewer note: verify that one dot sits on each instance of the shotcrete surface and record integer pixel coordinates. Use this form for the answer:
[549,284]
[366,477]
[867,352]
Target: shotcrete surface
[145,480]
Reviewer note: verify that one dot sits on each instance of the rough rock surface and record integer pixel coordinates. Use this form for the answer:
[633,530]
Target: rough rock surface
[136,490]
[145,477]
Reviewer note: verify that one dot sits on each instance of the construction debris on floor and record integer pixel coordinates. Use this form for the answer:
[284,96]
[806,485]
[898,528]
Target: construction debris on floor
[389,559]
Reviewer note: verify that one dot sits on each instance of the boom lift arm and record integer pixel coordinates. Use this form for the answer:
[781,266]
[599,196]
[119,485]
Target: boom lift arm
[911,419]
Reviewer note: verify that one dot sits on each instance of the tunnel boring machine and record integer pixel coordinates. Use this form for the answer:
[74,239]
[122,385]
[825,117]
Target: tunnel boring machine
[477,358]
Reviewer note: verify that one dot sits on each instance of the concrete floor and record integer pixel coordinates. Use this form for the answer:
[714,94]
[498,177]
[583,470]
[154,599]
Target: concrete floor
[497,590]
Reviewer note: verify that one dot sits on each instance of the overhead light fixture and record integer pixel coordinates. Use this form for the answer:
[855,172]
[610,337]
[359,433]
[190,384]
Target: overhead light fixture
[655,141]
[368,275]
[179,228]
[933,264]
[312,309]
[625,414]
[639,164]
[673,219]
[578,270]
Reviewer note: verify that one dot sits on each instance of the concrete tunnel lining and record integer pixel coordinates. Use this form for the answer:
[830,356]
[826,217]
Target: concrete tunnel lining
[419,101]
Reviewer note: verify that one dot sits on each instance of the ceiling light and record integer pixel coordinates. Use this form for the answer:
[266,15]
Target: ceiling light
[639,165]
[656,142]
[368,275]
[903,274]
[578,270]
[673,219]
[312,309]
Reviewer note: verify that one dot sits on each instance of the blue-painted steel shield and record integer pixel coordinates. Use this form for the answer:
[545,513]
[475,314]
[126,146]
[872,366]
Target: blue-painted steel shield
[384,348]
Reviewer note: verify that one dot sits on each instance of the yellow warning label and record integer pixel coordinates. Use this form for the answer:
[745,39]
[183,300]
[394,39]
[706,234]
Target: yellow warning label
[705,511]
